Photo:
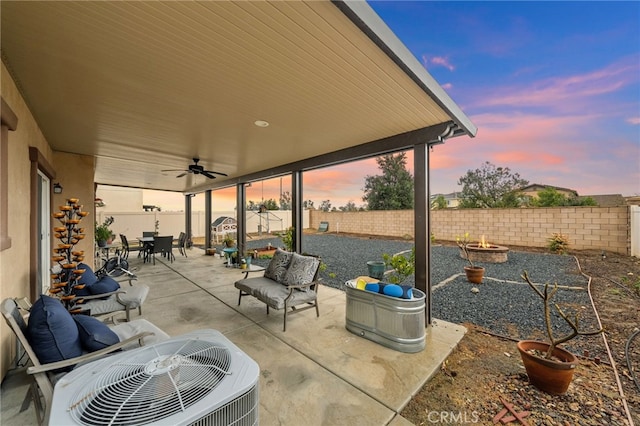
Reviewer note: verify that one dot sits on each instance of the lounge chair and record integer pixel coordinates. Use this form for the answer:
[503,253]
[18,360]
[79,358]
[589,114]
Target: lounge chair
[59,323]
[103,295]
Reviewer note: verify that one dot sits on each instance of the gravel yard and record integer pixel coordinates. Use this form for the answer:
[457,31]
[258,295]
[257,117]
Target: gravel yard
[485,368]
[504,304]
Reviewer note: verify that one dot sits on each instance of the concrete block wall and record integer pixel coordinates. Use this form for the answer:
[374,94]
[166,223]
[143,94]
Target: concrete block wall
[595,228]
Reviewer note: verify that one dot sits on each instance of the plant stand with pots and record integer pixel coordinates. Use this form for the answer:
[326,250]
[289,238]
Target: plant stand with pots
[67,274]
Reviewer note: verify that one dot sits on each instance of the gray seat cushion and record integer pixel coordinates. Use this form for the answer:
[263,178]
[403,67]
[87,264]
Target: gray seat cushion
[131,328]
[248,285]
[103,306]
[275,295]
[134,296]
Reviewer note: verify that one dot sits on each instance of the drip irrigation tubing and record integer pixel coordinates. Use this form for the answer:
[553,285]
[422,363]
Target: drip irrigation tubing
[606,344]
[624,287]
[514,339]
[626,354]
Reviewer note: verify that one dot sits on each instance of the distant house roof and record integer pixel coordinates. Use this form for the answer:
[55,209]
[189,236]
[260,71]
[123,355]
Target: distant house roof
[222,219]
[608,200]
[450,196]
[634,200]
[535,187]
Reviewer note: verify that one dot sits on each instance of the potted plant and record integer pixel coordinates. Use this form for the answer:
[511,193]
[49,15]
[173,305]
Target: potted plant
[401,266]
[474,273]
[249,255]
[103,233]
[229,241]
[287,238]
[549,367]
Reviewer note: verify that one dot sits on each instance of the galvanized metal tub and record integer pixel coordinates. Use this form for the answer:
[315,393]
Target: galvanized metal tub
[393,322]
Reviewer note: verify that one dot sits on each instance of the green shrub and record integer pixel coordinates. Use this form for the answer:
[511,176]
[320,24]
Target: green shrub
[558,243]
[287,238]
[402,266]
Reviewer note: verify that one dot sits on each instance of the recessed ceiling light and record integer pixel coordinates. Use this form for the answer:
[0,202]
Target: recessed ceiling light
[261,123]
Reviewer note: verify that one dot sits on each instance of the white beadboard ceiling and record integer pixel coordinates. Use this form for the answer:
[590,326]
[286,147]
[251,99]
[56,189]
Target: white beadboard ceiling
[146,86]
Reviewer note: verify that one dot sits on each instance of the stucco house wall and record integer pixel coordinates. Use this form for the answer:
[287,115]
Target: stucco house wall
[74,173]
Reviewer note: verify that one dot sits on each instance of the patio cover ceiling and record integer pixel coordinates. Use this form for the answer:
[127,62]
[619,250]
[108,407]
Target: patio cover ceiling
[146,86]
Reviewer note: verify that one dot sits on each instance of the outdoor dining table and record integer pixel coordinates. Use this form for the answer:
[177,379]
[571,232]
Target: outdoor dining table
[147,243]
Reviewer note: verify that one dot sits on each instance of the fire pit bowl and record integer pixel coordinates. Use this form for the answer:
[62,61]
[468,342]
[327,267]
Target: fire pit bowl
[489,253]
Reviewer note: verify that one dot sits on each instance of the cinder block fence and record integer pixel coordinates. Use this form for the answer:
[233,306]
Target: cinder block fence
[588,228]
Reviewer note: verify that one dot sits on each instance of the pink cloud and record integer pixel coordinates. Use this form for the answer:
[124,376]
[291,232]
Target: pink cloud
[557,92]
[440,61]
[634,120]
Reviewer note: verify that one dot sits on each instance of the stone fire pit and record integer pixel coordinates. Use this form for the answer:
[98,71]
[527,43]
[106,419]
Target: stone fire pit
[488,254]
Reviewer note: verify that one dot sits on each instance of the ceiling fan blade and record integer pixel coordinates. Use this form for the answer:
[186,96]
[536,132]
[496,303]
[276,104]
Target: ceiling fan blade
[181,174]
[207,174]
[174,170]
[216,173]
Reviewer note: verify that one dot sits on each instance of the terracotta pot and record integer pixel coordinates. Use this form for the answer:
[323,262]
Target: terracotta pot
[548,375]
[475,274]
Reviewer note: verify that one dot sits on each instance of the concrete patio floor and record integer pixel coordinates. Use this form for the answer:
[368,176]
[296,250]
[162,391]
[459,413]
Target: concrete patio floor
[316,372]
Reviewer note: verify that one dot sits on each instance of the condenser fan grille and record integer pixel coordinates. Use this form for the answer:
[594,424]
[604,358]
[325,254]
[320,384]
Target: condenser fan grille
[152,384]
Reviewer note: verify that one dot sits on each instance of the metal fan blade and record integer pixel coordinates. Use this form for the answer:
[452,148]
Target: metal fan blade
[207,174]
[216,173]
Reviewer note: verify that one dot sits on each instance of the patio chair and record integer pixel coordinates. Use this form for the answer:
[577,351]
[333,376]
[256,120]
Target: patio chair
[104,296]
[144,247]
[182,244]
[45,374]
[164,246]
[126,248]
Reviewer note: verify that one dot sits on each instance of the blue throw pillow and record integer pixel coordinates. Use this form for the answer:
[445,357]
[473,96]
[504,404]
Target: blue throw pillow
[94,334]
[105,285]
[407,292]
[88,278]
[52,332]
[393,290]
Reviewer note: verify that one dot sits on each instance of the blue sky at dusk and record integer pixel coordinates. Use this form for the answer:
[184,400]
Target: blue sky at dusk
[553,87]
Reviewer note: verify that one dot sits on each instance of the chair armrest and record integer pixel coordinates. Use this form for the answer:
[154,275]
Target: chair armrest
[88,357]
[126,277]
[101,296]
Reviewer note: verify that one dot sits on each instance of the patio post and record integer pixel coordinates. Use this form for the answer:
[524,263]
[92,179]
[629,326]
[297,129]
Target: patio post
[207,219]
[296,210]
[187,218]
[241,218]
[422,224]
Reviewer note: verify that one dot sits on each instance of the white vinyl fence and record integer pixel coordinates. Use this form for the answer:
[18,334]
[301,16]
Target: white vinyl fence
[132,224]
[635,231]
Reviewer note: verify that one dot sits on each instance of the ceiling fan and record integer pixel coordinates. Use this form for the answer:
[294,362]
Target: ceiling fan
[196,170]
